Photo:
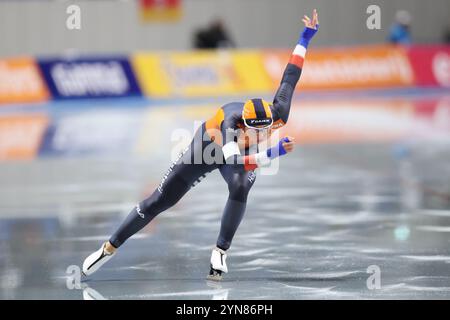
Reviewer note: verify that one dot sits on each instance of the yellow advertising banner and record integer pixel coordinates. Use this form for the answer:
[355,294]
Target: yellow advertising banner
[201,73]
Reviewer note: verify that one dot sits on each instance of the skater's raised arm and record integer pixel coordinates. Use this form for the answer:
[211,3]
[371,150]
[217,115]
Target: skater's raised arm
[280,108]
[282,100]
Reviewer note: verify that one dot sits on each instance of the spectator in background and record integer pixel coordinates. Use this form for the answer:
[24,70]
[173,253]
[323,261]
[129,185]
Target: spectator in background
[400,31]
[447,35]
[212,37]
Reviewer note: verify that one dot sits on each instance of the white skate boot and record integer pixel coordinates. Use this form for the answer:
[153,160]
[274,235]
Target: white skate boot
[96,260]
[218,264]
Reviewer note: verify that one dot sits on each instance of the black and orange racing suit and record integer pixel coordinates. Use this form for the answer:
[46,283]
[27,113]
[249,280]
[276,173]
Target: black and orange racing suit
[184,173]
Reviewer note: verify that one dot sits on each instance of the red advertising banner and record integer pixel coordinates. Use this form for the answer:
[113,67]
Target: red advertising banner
[431,65]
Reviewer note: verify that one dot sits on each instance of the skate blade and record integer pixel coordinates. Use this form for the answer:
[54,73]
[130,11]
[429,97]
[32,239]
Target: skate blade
[214,277]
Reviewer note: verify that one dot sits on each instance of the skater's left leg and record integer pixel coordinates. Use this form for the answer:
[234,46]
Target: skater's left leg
[182,175]
[174,189]
[239,184]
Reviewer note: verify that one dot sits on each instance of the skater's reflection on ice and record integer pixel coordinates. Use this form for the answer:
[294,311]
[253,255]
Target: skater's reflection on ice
[218,293]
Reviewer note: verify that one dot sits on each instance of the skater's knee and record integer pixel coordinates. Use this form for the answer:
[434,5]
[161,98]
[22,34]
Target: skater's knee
[154,204]
[147,205]
[238,191]
[164,198]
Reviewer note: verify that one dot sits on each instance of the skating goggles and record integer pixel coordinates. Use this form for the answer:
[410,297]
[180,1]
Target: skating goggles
[258,124]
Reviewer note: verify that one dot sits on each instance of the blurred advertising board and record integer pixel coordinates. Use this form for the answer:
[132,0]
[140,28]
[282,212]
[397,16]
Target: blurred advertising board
[221,73]
[369,120]
[350,121]
[21,81]
[346,68]
[433,116]
[89,77]
[92,132]
[173,125]
[431,65]
[201,73]
[21,135]
[160,10]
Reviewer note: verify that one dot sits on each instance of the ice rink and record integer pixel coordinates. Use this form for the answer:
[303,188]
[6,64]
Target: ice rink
[318,229]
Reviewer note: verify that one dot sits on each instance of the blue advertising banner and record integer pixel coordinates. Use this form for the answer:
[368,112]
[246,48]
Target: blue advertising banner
[91,77]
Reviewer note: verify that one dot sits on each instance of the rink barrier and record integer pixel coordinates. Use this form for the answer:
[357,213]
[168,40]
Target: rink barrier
[28,132]
[227,73]
[222,73]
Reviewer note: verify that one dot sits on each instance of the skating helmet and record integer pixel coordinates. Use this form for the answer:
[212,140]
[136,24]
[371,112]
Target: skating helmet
[257,114]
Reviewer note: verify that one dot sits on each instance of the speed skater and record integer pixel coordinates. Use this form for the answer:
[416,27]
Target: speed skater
[238,161]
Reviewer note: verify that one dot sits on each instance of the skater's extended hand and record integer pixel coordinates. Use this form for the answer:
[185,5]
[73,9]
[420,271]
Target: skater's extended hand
[311,27]
[312,24]
[289,146]
[283,146]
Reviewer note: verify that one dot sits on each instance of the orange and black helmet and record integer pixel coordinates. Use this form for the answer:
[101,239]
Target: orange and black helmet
[257,114]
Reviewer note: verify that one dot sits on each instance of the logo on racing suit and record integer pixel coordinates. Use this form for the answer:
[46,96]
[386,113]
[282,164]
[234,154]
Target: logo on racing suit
[139,212]
[166,175]
[252,176]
